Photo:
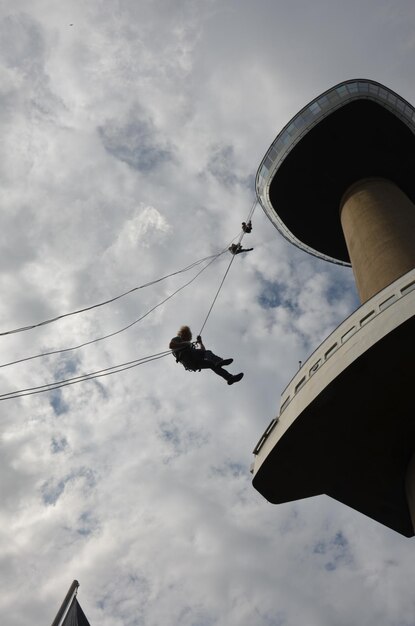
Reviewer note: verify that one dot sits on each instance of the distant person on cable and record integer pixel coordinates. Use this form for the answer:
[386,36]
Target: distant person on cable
[236,248]
[198,358]
[247,227]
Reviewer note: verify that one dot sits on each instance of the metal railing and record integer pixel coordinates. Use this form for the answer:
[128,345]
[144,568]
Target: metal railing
[369,311]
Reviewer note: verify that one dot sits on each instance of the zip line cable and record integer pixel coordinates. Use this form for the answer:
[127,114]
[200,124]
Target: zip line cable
[114,369]
[241,236]
[95,306]
[252,210]
[217,293]
[29,391]
[121,330]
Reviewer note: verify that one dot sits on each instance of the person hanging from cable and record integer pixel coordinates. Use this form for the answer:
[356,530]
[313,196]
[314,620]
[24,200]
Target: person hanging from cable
[236,248]
[194,356]
[247,227]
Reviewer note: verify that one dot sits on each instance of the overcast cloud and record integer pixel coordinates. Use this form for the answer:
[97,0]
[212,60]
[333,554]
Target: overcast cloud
[131,132]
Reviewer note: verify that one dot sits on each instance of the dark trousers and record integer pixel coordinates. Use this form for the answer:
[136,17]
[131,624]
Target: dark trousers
[206,360]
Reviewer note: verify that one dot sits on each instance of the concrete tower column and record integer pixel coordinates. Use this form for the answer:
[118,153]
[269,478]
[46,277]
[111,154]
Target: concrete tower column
[378,222]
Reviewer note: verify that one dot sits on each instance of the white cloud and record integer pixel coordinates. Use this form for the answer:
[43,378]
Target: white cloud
[129,145]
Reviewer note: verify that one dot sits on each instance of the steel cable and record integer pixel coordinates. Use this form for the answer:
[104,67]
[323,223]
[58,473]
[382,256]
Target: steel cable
[29,391]
[241,236]
[95,306]
[121,330]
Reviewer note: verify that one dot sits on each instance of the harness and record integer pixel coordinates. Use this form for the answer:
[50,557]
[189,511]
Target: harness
[187,366]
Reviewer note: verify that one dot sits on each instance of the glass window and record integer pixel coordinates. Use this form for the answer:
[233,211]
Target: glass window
[333,96]
[352,88]
[408,288]
[271,426]
[268,162]
[348,334]
[306,115]
[273,153]
[383,94]
[391,98]
[408,111]
[290,130]
[278,145]
[324,102]
[299,384]
[363,87]
[330,351]
[264,171]
[366,318]
[315,108]
[373,88]
[384,305]
[342,91]
[400,105]
[314,368]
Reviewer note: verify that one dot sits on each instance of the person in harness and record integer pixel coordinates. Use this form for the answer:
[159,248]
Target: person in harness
[198,358]
[236,248]
[247,227]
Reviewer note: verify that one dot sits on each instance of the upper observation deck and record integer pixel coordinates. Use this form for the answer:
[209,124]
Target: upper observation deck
[357,129]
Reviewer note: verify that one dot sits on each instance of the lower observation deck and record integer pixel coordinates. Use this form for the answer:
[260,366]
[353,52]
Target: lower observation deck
[347,419]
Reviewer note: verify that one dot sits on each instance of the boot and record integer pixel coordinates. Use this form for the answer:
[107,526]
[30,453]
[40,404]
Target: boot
[236,378]
[223,362]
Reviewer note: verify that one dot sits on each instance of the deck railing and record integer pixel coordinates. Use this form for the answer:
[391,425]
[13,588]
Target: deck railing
[366,313]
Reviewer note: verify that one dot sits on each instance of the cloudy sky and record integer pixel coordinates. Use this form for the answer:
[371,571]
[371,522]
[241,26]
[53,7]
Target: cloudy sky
[131,132]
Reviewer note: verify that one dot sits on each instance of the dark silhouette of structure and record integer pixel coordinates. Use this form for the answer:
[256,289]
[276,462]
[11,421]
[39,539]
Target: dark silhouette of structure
[70,612]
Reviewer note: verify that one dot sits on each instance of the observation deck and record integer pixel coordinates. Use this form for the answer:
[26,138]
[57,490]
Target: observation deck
[357,129]
[346,424]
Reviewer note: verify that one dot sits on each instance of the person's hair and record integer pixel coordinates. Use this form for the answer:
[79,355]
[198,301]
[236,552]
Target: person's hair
[184,333]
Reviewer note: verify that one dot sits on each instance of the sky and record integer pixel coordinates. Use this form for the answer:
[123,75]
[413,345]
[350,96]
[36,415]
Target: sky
[131,132]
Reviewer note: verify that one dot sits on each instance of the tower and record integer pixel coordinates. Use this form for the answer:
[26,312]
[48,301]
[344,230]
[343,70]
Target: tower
[338,182]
